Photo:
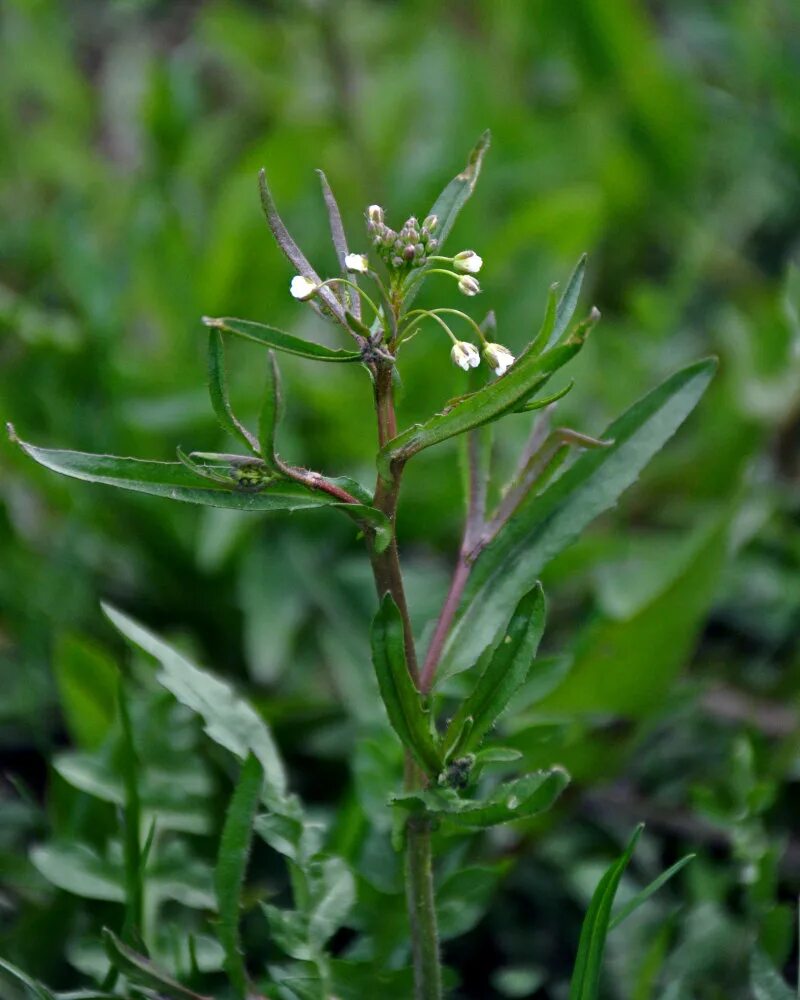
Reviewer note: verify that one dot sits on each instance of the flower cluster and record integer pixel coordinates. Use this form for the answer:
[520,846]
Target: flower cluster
[401,252]
[409,248]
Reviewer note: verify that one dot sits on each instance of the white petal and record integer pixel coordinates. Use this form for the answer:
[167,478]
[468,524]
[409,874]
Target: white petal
[356,262]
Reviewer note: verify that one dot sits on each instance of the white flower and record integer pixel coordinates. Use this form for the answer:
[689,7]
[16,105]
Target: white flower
[468,285]
[465,355]
[499,358]
[375,214]
[468,262]
[356,262]
[302,288]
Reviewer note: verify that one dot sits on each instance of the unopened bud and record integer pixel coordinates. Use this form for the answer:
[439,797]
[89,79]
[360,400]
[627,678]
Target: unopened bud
[430,223]
[375,214]
[468,285]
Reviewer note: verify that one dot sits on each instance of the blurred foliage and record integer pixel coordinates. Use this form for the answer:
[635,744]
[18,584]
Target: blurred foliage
[663,139]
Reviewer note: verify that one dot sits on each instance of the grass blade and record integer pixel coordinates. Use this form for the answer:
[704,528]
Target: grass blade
[234,851]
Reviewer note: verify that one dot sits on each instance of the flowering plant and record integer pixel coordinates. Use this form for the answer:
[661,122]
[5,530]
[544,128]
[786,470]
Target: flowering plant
[459,779]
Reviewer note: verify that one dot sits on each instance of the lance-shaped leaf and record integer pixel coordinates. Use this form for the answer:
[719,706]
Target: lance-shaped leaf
[457,193]
[280,340]
[339,238]
[487,404]
[293,252]
[218,390]
[271,411]
[132,822]
[585,983]
[409,719]
[546,523]
[234,851]
[519,799]
[229,720]
[141,970]
[505,668]
[650,890]
[175,481]
[567,304]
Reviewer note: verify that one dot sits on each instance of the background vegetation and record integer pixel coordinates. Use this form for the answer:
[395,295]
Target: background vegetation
[662,138]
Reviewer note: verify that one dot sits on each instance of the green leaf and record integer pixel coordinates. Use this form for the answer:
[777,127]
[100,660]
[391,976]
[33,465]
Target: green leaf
[457,192]
[505,668]
[332,890]
[514,800]
[229,720]
[78,869]
[138,969]
[218,390]
[585,982]
[174,481]
[766,981]
[234,851]
[289,930]
[546,523]
[279,340]
[39,990]
[87,685]
[641,897]
[542,338]
[403,702]
[271,411]
[132,823]
[488,403]
[567,304]
[293,252]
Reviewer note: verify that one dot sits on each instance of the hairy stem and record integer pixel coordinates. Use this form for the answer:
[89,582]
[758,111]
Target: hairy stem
[422,913]
[419,861]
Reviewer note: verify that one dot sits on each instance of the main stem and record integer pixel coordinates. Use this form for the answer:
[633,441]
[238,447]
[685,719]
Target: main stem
[419,860]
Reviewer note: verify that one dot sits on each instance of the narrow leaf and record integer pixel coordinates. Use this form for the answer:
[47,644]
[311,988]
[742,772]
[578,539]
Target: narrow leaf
[229,720]
[585,984]
[177,482]
[641,897]
[280,340]
[132,821]
[477,408]
[218,390]
[457,192]
[403,702]
[568,303]
[234,851]
[339,237]
[141,970]
[271,411]
[519,799]
[542,338]
[333,896]
[546,523]
[292,251]
[506,668]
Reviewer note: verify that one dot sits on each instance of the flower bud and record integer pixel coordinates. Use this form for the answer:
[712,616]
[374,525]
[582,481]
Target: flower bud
[465,355]
[498,358]
[302,288]
[375,214]
[467,262]
[430,223]
[467,285]
[356,262]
